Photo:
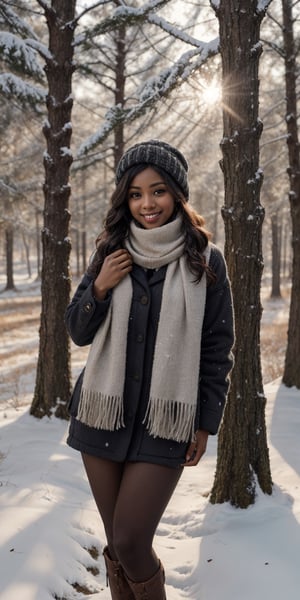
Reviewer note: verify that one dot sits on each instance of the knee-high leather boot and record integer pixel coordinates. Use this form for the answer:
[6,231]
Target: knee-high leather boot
[153,589]
[119,586]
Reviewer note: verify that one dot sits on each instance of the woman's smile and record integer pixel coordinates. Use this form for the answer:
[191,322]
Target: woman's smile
[150,218]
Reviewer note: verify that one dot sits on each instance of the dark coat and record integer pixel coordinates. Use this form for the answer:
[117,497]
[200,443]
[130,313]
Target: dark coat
[83,317]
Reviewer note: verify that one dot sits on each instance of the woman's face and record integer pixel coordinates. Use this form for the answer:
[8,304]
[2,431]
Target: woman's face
[150,202]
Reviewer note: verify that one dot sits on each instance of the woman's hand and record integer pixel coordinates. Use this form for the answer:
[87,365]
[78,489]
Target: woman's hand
[115,267]
[196,448]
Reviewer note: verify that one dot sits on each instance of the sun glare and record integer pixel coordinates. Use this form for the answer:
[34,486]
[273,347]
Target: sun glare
[211,94]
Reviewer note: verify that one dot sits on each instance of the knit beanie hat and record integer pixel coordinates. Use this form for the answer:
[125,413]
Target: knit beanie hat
[159,154]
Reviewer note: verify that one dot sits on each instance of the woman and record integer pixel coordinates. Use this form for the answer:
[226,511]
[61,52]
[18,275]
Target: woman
[156,306]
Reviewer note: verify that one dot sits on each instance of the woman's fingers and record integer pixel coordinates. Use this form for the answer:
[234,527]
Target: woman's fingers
[196,448]
[115,267]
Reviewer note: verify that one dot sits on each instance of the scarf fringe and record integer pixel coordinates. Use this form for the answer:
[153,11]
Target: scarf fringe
[170,420]
[100,411]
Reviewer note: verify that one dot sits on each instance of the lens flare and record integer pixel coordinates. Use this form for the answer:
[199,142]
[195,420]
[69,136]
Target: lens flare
[211,94]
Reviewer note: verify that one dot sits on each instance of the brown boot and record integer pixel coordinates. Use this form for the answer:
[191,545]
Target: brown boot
[153,589]
[119,587]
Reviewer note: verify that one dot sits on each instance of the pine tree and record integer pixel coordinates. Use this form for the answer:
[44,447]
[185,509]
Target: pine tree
[291,375]
[242,449]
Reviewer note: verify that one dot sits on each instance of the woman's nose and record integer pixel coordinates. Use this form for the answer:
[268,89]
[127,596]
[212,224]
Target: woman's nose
[148,200]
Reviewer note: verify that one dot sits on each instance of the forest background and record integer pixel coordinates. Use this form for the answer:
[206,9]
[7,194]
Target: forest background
[189,116]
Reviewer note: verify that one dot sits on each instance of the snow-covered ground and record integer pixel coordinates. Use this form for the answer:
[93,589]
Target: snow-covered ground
[51,532]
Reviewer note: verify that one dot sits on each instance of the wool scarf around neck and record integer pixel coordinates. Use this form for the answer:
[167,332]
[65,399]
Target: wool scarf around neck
[175,373]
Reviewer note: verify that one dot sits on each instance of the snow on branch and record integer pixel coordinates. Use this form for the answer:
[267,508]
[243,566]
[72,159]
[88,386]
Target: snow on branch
[215,4]
[274,46]
[17,53]
[123,15]
[262,6]
[40,48]
[13,21]
[154,88]
[12,86]
[89,8]
[174,31]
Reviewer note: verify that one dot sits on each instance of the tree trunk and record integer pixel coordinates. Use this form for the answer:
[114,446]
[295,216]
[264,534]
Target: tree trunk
[9,251]
[286,247]
[52,388]
[38,244]
[119,91]
[242,451]
[77,251]
[291,375]
[276,255]
[27,254]
[83,223]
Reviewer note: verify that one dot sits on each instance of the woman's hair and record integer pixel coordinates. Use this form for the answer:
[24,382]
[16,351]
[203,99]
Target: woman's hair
[116,225]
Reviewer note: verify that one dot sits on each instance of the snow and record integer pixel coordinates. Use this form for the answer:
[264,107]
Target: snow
[11,85]
[174,31]
[65,151]
[40,48]
[49,520]
[18,50]
[256,48]
[262,6]
[153,88]
[15,23]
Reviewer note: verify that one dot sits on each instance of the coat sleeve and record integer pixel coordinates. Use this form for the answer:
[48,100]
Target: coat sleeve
[85,313]
[216,347]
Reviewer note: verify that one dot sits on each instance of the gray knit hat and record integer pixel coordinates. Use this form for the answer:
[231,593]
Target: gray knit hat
[159,154]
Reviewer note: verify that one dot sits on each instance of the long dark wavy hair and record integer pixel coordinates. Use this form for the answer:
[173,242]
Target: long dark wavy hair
[116,225]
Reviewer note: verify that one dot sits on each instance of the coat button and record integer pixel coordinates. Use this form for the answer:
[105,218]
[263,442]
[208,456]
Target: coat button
[140,337]
[87,307]
[144,299]
[136,377]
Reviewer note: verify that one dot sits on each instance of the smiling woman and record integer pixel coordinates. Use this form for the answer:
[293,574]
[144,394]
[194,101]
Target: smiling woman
[135,413]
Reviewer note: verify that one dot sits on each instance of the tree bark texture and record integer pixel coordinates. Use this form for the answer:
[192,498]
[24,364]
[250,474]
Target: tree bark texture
[52,388]
[243,457]
[120,75]
[9,251]
[276,228]
[291,375]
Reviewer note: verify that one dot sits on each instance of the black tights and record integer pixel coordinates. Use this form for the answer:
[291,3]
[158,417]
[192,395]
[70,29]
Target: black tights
[131,499]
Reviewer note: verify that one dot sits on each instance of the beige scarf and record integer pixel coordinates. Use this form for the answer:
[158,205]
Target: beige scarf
[175,373]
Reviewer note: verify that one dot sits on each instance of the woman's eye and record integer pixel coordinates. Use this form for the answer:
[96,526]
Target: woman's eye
[134,195]
[160,191]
